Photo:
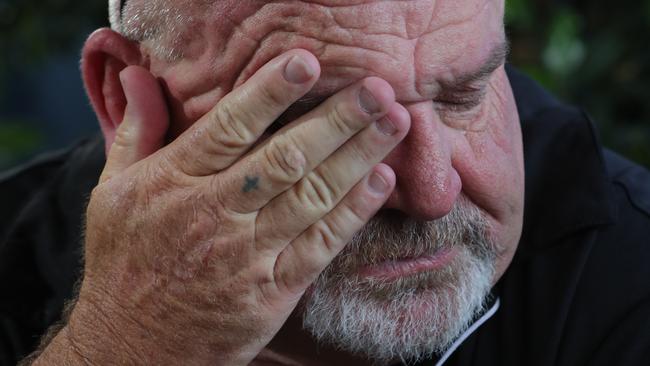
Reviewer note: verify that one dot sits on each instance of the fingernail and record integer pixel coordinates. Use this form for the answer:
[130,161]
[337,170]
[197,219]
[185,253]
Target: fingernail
[377,183]
[367,101]
[386,126]
[298,71]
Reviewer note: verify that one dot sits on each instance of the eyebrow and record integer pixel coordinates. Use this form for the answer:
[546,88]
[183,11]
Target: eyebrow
[497,57]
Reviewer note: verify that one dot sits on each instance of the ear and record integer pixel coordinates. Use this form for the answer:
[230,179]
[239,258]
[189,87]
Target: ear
[105,54]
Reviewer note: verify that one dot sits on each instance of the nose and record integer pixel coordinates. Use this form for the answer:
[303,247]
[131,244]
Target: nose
[427,183]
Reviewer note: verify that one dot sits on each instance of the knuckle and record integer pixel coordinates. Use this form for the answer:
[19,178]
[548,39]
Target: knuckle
[213,148]
[285,160]
[123,137]
[113,201]
[164,176]
[221,198]
[230,131]
[328,234]
[168,169]
[180,157]
[315,191]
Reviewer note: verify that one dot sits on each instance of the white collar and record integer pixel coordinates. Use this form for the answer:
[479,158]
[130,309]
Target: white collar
[469,332]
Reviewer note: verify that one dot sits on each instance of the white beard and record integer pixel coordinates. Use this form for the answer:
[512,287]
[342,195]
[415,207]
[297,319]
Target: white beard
[412,317]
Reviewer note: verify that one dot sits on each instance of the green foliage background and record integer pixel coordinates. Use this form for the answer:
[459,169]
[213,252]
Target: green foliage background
[589,53]
[594,54]
[31,33]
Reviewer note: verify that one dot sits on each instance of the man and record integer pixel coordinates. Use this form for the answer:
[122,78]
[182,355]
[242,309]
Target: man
[311,183]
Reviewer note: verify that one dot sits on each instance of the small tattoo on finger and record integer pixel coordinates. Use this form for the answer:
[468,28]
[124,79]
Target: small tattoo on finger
[251,184]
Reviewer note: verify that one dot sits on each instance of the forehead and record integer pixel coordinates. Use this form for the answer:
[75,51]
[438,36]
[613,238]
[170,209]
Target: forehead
[416,45]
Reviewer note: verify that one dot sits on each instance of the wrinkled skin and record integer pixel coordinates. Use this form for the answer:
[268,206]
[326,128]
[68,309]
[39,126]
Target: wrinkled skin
[443,149]
[417,46]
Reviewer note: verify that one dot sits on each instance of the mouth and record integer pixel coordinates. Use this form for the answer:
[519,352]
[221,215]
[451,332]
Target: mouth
[395,269]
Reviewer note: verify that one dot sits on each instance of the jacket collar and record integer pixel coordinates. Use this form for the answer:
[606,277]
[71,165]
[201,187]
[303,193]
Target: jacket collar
[567,185]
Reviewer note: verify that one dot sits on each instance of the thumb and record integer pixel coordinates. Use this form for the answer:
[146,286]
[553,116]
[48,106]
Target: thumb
[146,120]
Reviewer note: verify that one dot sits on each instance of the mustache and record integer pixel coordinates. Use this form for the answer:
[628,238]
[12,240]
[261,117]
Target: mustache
[413,316]
[392,236]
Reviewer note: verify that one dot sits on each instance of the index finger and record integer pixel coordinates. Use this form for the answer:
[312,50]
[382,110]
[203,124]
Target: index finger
[238,120]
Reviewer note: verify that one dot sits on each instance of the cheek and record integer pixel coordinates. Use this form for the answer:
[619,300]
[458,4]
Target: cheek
[490,164]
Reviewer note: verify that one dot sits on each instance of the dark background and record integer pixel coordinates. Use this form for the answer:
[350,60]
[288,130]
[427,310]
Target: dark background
[594,54]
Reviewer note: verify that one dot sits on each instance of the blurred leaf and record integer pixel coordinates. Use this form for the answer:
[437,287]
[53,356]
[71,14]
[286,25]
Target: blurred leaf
[565,51]
[17,140]
[541,75]
[519,14]
[603,53]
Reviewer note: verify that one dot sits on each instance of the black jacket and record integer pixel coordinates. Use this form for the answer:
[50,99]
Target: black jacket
[577,292]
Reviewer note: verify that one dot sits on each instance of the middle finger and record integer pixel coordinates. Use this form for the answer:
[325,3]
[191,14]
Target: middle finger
[298,148]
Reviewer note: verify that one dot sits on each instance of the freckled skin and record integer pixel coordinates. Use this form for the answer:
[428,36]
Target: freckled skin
[415,46]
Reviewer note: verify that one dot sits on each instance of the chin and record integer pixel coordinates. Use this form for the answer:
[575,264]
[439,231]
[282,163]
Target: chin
[402,289]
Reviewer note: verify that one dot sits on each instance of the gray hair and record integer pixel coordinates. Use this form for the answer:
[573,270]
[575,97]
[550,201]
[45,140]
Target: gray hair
[156,24]
[115,14]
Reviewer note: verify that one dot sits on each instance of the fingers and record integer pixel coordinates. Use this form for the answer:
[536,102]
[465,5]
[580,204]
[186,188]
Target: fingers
[300,147]
[308,255]
[224,134]
[290,213]
[142,132]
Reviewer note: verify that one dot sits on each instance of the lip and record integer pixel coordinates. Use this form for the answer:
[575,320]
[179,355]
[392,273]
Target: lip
[391,270]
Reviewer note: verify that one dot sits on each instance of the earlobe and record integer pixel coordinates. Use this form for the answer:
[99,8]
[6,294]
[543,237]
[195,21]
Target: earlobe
[105,54]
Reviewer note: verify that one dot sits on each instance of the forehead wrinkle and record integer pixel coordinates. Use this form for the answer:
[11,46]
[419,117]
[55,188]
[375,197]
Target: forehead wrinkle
[274,26]
[496,58]
[242,20]
[332,26]
[452,15]
[459,38]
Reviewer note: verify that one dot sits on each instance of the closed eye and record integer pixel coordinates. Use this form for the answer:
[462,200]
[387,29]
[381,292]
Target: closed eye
[466,92]
[460,101]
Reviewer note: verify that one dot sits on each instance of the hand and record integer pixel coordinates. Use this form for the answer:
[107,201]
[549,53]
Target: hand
[198,251]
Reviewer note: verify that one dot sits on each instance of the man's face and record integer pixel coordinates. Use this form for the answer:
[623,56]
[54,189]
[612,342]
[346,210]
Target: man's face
[463,152]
